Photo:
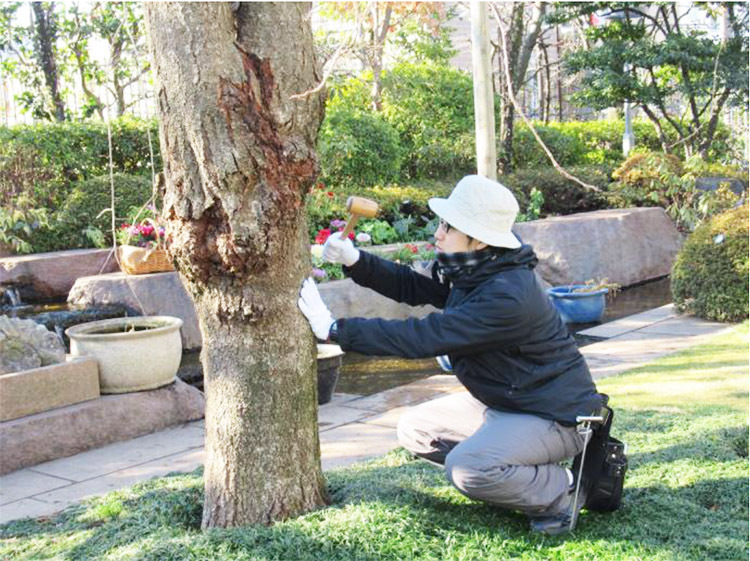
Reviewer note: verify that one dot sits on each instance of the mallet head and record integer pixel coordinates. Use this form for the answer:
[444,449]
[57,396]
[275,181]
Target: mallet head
[362,207]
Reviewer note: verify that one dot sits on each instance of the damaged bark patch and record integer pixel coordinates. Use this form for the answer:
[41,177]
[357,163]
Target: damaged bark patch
[285,166]
[207,248]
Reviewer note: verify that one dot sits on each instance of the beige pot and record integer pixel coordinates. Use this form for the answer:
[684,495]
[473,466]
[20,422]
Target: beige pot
[134,354]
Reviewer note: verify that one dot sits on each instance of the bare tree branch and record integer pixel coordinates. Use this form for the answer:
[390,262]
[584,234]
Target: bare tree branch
[519,109]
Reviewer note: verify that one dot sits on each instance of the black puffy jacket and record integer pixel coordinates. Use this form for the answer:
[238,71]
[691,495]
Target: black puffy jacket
[506,341]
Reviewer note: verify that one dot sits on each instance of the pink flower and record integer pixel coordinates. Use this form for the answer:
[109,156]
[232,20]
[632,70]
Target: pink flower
[319,273]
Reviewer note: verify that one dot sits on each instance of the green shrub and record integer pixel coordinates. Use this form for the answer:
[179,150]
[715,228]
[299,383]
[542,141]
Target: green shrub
[432,108]
[45,160]
[710,275]
[357,147]
[561,195]
[82,211]
[578,143]
[658,179]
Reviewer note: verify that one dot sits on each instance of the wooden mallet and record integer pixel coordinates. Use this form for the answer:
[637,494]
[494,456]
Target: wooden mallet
[358,207]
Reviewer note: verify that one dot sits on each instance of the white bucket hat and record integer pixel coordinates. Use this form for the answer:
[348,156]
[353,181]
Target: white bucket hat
[480,208]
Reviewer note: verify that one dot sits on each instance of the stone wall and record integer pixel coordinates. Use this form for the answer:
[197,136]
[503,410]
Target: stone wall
[50,276]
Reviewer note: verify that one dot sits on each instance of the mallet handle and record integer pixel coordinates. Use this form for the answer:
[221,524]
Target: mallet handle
[349,225]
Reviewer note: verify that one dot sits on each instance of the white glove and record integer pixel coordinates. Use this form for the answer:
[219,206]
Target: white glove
[336,250]
[314,309]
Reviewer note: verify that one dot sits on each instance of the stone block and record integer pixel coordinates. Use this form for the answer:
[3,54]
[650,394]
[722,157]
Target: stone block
[627,246]
[48,387]
[155,294]
[50,276]
[69,430]
[345,298]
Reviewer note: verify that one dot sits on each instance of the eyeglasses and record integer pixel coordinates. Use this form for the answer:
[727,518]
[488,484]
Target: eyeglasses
[444,225]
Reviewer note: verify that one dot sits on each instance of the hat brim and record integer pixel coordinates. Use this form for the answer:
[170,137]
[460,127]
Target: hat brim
[469,226]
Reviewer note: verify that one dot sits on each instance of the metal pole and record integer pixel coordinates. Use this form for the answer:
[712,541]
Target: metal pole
[628,138]
[484,108]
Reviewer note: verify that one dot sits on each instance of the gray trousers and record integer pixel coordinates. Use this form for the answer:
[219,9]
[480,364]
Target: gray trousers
[507,459]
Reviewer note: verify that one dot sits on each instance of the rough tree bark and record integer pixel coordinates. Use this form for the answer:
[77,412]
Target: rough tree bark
[239,158]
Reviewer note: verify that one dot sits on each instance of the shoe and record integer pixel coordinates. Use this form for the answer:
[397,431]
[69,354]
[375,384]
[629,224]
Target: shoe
[565,520]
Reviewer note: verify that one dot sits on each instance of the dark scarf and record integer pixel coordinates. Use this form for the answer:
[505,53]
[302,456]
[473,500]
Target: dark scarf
[453,265]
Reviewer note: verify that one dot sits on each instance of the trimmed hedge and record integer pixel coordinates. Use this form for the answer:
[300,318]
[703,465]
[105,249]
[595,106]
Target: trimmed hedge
[73,151]
[710,275]
[83,209]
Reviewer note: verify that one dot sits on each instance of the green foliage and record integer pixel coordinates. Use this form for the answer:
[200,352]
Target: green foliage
[357,147]
[18,225]
[654,60]
[683,417]
[578,143]
[710,275]
[380,231]
[86,209]
[431,106]
[658,179]
[44,160]
[559,195]
[534,207]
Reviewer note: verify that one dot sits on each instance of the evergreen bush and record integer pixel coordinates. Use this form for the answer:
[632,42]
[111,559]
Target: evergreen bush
[83,210]
[67,152]
[357,147]
[432,108]
[710,276]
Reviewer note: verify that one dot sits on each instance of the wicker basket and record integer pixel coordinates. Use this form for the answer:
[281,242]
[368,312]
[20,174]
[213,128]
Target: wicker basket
[140,260]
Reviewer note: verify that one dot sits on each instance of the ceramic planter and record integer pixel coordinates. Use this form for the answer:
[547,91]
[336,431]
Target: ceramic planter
[578,307]
[134,354]
[329,364]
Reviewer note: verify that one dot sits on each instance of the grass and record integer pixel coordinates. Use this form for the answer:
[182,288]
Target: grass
[686,498]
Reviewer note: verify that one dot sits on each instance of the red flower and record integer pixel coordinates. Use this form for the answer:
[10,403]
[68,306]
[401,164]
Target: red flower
[413,248]
[330,194]
[322,236]
[351,236]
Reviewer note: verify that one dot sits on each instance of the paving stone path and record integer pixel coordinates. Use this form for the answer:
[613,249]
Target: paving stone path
[352,427]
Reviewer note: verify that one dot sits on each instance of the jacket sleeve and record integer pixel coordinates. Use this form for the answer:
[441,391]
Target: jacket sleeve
[492,321]
[397,282]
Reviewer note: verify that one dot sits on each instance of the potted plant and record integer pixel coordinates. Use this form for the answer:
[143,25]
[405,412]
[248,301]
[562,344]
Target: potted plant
[143,245]
[329,365]
[583,303]
[134,353]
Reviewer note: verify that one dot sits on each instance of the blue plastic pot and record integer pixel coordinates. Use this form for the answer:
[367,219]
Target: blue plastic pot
[578,307]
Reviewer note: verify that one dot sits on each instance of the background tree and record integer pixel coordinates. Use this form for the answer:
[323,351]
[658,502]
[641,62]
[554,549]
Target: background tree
[45,39]
[522,24]
[680,77]
[30,53]
[373,22]
[239,159]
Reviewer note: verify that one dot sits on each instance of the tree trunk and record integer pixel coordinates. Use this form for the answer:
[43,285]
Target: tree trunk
[45,48]
[239,158]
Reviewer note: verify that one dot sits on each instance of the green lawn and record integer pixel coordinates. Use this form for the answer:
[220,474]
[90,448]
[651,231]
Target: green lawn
[683,417]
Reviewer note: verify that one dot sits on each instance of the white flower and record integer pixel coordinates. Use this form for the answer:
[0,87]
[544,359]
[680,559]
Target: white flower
[364,237]
[316,250]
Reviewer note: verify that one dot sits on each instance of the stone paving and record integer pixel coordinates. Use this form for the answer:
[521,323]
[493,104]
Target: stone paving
[352,427]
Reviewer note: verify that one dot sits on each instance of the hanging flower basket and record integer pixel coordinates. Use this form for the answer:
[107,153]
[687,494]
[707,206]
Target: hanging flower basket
[148,254]
[141,260]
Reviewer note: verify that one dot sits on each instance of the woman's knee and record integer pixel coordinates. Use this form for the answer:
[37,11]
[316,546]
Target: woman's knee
[472,474]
